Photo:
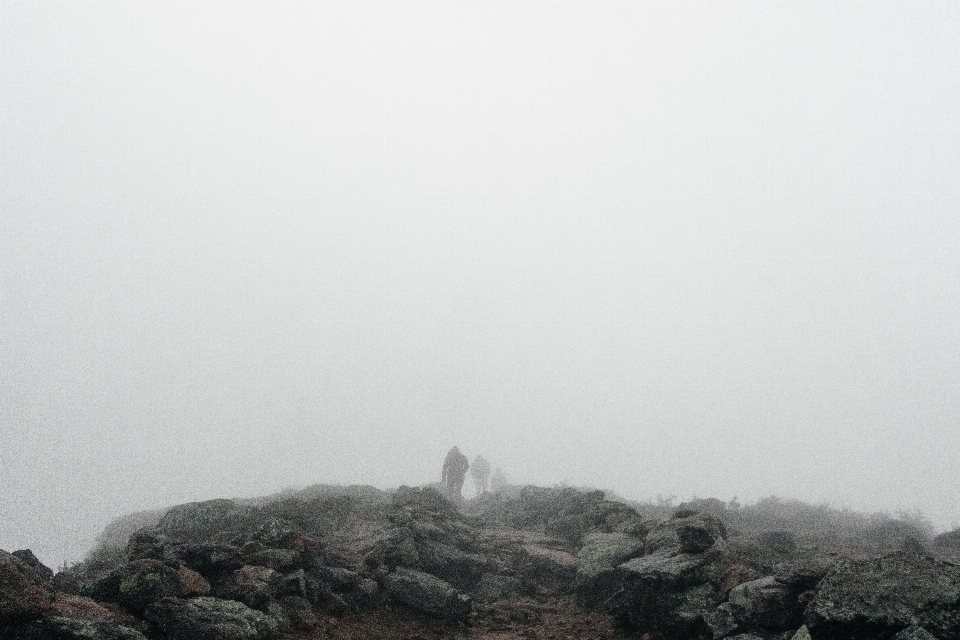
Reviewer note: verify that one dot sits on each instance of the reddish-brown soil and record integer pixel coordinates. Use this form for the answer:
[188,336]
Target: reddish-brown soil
[550,618]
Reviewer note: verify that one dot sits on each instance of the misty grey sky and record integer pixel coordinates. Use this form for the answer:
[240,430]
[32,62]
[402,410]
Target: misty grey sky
[680,248]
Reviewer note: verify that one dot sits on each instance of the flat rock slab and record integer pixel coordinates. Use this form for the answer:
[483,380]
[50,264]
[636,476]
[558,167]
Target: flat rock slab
[877,598]
[211,618]
[427,593]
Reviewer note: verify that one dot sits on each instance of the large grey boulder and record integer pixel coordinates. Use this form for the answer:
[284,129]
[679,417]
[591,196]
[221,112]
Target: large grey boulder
[62,628]
[210,619]
[596,564]
[252,585]
[668,595]
[138,583]
[877,598]
[428,594]
[24,595]
[694,533]
[766,604]
[546,568]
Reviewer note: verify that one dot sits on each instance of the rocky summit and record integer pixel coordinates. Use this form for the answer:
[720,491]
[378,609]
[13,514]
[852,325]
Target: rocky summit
[523,562]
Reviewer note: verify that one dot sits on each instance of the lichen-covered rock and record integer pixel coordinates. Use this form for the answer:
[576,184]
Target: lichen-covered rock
[693,534]
[766,604]
[914,632]
[197,521]
[670,595]
[210,618]
[61,628]
[24,596]
[210,559]
[251,585]
[428,594]
[876,598]
[26,557]
[596,564]
[542,567]
[493,588]
[298,611]
[138,583]
[445,561]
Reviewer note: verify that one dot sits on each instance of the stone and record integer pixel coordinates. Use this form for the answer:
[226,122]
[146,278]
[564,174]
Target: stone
[694,533]
[875,598]
[211,618]
[299,612]
[61,628]
[914,632]
[427,594]
[26,557]
[251,585]
[24,596]
[767,604]
[595,579]
[138,583]
[666,594]
[545,567]
[493,588]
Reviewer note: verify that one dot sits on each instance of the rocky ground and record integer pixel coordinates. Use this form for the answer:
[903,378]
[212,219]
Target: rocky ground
[531,562]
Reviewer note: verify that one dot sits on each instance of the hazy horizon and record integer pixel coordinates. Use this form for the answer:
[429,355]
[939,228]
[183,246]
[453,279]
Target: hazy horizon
[658,247]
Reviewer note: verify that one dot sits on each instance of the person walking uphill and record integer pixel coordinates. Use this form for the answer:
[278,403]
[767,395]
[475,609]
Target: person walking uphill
[454,471]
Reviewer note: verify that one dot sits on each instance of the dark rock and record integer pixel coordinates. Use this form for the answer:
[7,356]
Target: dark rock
[445,561]
[198,521]
[782,542]
[210,618]
[914,632]
[281,560]
[138,583]
[493,588]
[293,584]
[766,604]
[337,579]
[24,596]
[542,567]
[298,611]
[428,594]
[210,559]
[876,598]
[61,628]
[251,585]
[694,533]
[596,562]
[26,557]
[193,583]
[670,595]
[147,545]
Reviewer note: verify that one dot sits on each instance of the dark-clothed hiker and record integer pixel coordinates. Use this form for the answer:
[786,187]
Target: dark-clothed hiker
[454,471]
[480,472]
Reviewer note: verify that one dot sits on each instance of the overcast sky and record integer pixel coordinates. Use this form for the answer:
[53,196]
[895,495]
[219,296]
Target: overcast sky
[663,248]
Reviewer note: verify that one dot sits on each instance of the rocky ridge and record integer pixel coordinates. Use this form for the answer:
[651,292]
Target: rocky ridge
[531,562]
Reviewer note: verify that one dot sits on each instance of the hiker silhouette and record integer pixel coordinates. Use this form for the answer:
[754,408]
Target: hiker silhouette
[454,471]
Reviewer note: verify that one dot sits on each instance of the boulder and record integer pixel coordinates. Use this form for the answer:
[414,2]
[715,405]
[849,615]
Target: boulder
[596,564]
[281,560]
[879,597]
[766,604]
[197,521]
[428,594]
[39,569]
[210,559]
[542,567]
[493,588]
[210,618]
[694,533]
[61,628]
[666,594]
[251,585]
[914,632]
[24,596]
[147,545]
[298,611]
[445,561]
[138,583]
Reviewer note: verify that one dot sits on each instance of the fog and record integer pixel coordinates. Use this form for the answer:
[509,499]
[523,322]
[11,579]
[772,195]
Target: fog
[666,249]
